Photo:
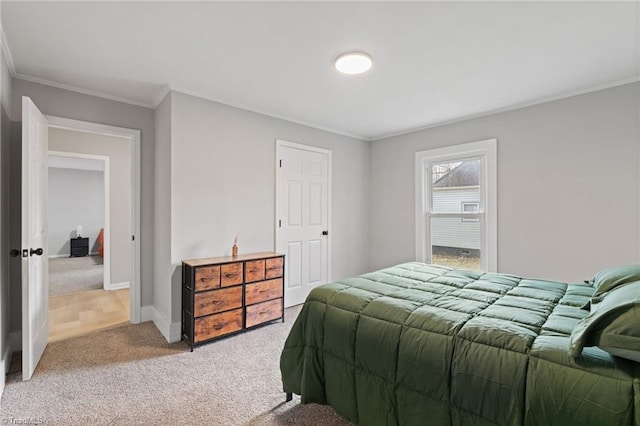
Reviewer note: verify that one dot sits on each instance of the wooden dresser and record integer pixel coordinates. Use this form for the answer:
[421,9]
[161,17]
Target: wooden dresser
[225,295]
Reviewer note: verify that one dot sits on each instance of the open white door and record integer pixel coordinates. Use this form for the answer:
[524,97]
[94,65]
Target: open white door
[35,277]
[303,179]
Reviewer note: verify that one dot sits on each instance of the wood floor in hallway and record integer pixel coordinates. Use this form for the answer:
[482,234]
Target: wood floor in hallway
[81,313]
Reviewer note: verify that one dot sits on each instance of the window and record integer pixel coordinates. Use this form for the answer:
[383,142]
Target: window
[456,206]
[468,207]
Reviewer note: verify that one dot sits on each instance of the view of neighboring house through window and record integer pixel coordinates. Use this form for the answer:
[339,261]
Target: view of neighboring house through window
[454,225]
[455,231]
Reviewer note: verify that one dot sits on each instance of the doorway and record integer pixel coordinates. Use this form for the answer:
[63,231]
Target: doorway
[303,217]
[81,299]
[86,241]
[123,219]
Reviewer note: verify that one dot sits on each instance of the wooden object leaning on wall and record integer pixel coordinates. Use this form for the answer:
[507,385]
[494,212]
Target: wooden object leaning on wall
[100,240]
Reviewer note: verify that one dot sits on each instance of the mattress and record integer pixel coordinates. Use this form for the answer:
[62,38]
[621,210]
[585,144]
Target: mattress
[423,344]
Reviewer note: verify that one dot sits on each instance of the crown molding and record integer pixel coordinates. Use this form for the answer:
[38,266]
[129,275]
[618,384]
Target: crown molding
[76,89]
[163,94]
[538,101]
[4,45]
[268,114]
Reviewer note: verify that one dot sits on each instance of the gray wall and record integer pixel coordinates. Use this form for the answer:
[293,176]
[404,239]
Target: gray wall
[119,152]
[223,183]
[162,268]
[567,185]
[5,207]
[76,197]
[64,103]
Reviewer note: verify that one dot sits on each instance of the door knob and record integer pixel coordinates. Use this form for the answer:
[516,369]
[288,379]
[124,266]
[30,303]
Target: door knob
[14,253]
[325,232]
[37,252]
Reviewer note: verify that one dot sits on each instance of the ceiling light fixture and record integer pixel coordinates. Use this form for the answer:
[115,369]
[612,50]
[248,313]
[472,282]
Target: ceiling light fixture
[354,63]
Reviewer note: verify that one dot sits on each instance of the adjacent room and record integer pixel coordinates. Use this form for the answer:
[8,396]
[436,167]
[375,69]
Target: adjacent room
[327,213]
[82,295]
[76,224]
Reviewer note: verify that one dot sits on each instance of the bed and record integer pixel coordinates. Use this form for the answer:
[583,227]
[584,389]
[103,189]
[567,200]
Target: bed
[424,344]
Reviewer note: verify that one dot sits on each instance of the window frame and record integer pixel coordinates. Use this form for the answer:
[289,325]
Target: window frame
[463,218]
[486,151]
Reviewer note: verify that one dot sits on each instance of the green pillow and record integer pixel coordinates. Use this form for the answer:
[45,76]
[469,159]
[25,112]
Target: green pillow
[610,278]
[612,325]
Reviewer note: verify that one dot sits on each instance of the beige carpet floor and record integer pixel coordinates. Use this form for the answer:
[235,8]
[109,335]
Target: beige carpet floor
[75,274]
[130,375]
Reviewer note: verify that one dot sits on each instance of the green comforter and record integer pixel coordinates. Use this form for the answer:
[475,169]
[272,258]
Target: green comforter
[422,344]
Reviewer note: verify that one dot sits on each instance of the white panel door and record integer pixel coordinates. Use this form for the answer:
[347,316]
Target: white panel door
[303,181]
[35,277]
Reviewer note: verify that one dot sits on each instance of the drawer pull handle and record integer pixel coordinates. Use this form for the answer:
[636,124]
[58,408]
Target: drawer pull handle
[219,327]
[263,291]
[211,302]
[230,275]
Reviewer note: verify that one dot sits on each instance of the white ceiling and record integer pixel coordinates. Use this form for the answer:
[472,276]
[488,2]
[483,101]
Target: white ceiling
[433,62]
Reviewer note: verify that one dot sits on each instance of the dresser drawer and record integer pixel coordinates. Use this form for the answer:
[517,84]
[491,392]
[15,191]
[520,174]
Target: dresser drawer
[231,274]
[80,242]
[217,325]
[79,251]
[254,270]
[207,277]
[212,301]
[274,267]
[265,290]
[263,312]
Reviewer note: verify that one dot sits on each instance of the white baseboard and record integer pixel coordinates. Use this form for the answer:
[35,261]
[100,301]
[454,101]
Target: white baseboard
[118,286]
[176,332]
[5,362]
[56,256]
[170,331]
